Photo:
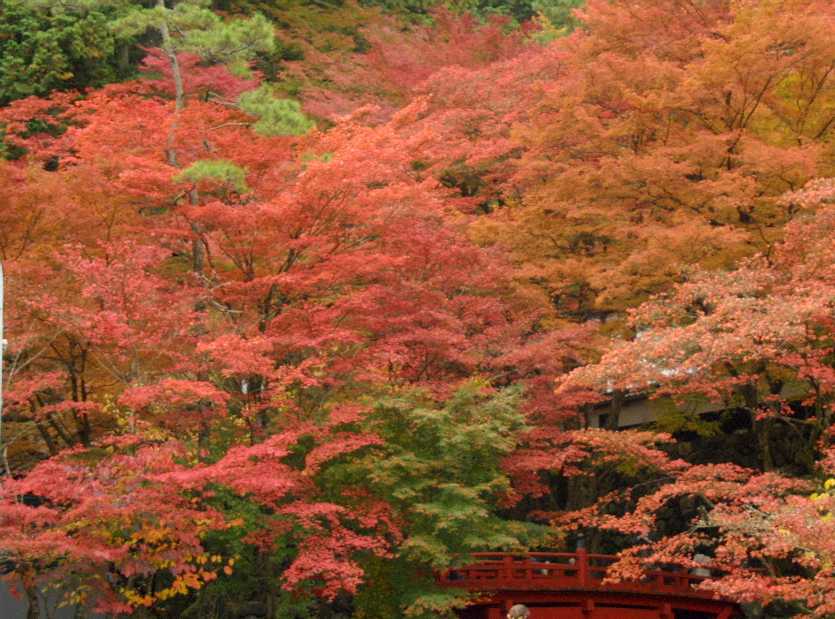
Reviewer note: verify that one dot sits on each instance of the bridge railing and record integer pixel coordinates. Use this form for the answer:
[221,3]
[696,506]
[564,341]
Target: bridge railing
[554,571]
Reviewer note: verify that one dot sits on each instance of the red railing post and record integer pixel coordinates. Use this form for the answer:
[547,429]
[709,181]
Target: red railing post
[508,567]
[583,566]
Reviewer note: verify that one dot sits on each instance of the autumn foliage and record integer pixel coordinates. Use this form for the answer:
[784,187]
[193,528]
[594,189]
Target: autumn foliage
[304,352]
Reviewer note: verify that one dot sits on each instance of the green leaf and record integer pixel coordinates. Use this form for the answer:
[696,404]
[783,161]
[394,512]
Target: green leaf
[219,171]
[275,116]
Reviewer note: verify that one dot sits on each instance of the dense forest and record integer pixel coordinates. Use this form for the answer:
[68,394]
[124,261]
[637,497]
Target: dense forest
[307,300]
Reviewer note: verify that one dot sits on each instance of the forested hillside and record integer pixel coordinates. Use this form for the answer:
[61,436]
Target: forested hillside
[307,301]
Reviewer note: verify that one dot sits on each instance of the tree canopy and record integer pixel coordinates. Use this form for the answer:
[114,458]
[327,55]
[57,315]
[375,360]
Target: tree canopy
[307,302]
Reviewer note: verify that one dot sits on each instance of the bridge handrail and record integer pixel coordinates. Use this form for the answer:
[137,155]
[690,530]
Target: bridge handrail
[562,571]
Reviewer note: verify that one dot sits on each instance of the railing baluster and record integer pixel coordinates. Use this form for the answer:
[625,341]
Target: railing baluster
[508,567]
[555,571]
[583,567]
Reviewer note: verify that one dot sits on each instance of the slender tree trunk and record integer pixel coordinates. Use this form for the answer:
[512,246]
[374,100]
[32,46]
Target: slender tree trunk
[124,59]
[198,247]
[203,436]
[47,438]
[763,431]
[198,251]
[179,91]
[168,48]
[761,428]
[61,431]
[615,407]
[34,609]
[85,430]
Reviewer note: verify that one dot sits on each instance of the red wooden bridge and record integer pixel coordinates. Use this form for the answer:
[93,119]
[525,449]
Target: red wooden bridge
[558,585]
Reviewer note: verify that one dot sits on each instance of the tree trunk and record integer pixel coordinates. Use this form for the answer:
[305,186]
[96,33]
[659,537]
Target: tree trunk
[198,250]
[763,432]
[34,609]
[179,91]
[198,247]
[124,59]
[84,430]
[615,407]
[59,429]
[47,438]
